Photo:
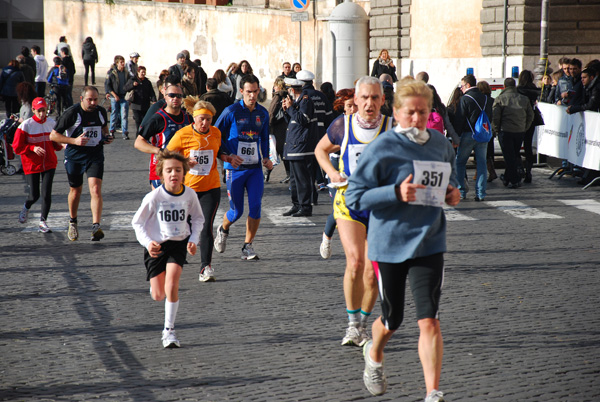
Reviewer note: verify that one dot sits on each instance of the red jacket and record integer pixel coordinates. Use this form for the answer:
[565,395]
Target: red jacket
[31,133]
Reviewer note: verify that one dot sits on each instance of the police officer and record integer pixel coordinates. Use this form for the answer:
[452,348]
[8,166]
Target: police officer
[299,149]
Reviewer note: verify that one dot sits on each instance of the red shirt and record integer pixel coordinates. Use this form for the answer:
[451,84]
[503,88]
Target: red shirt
[31,133]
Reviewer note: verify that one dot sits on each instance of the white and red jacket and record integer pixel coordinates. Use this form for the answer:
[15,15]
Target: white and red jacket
[31,133]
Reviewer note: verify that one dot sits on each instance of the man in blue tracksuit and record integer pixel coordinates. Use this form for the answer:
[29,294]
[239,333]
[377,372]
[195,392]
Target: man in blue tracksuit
[244,130]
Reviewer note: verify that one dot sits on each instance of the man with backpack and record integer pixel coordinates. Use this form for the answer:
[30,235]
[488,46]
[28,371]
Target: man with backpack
[512,115]
[58,78]
[472,122]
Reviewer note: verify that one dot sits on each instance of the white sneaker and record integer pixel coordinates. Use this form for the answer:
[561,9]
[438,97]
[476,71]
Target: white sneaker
[373,376]
[73,233]
[43,228]
[363,335]
[221,240]
[325,248]
[435,396]
[207,274]
[23,214]
[169,339]
[352,337]
[248,252]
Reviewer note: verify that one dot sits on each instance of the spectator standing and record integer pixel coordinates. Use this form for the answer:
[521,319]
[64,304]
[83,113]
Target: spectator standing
[219,100]
[177,68]
[223,84]
[114,86]
[143,95]
[25,95]
[132,64]
[242,69]
[384,65]
[277,123]
[188,82]
[512,116]
[532,92]
[201,76]
[287,71]
[299,149]
[546,84]
[41,71]
[485,89]
[89,54]
[62,43]
[67,61]
[470,106]
[388,93]
[9,79]
[296,68]
[29,60]
[28,72]
[160,82]
[59,78]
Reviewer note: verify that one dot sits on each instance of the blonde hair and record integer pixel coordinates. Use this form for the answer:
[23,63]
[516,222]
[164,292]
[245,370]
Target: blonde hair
[410,88]
[192,103]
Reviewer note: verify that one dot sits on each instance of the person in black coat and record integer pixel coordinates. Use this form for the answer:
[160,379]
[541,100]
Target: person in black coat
[299,149]
[532,92]
[220,100]
[278,124]
[89,54]
[143,95]
[384,65]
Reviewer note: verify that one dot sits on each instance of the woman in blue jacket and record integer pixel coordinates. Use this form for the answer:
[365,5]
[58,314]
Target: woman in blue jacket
[404,177]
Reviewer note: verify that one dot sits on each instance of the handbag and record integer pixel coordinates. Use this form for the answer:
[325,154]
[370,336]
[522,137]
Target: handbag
[130,96]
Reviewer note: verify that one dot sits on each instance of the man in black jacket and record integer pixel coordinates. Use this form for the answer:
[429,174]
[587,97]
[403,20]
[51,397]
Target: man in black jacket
[299,149]
[220,100]
[471,105]
[67,61]
[589,79]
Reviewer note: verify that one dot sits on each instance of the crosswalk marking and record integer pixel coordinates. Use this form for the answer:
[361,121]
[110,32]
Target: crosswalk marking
[586,205]
[521,210]
[276,217]
[121,220]
[452,214]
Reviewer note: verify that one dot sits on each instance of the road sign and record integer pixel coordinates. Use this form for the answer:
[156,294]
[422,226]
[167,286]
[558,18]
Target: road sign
[296,17]
[299,5]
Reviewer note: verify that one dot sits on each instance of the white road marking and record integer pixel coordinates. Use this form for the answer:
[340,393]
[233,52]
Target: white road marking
[276,217]
[452,214]
[586,205]
[521,210]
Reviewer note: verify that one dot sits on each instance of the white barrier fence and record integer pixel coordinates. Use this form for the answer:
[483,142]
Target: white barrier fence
[575,137]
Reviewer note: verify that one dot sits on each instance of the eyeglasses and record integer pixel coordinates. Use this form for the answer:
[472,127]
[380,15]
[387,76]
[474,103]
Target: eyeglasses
[178,96]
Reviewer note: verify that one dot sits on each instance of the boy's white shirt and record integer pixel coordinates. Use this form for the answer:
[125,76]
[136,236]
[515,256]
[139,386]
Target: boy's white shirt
[158,204]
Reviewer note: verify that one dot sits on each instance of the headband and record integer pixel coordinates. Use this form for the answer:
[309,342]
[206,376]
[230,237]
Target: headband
[202,111]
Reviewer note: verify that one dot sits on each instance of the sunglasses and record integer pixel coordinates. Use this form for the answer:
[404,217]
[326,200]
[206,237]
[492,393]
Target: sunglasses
[179,96]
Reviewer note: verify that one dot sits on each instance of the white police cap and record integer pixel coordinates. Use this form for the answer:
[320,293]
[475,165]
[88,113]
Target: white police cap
[292,82]
[305,75]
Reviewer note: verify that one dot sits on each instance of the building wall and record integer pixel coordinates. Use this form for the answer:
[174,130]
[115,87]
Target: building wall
[446,37]
[27,14]
[216,35]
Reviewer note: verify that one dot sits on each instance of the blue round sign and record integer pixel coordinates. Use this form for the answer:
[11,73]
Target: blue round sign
[299,5]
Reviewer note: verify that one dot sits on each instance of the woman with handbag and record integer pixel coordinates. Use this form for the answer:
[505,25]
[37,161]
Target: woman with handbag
[143,95]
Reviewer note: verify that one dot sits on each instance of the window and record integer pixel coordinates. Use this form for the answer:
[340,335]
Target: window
[27,30]
[3,30]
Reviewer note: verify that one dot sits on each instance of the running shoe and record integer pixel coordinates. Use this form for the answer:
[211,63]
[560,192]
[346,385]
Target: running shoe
[435,396]
[23,214]
[373,376]
[73,233]
[248,252]
[169,339]
[325,248]
[364,336]
[97,233]
[207,274]
[352,337]
[221,240]
[43,228]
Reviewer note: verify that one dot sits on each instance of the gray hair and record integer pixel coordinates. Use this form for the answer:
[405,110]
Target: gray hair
[368,80]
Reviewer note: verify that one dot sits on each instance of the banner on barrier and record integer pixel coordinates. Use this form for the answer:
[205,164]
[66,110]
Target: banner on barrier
[575,137]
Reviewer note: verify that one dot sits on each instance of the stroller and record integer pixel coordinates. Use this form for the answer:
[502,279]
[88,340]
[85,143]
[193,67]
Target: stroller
[7,132]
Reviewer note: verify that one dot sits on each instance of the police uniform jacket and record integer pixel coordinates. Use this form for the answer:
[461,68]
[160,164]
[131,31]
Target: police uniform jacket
[302,132]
